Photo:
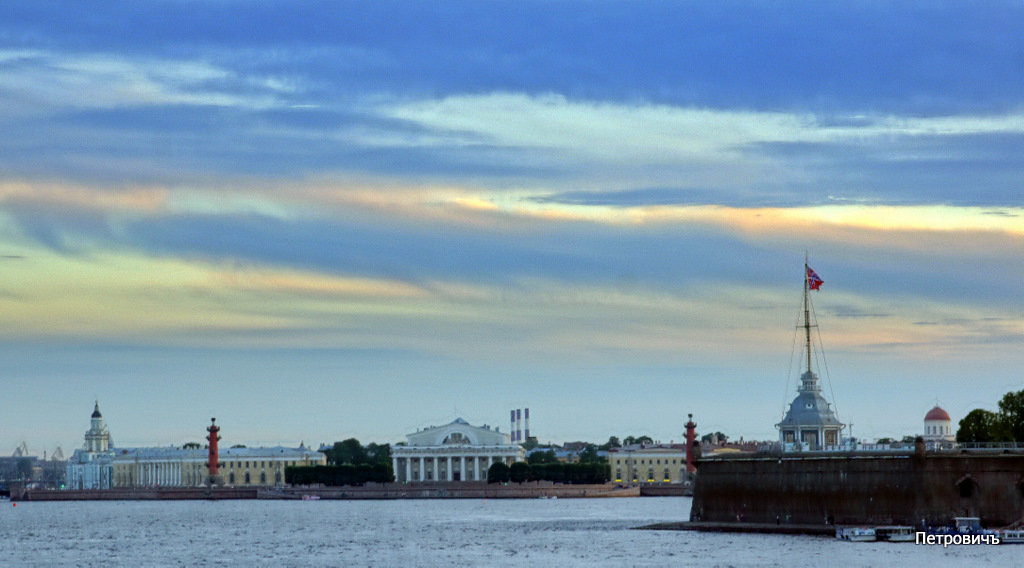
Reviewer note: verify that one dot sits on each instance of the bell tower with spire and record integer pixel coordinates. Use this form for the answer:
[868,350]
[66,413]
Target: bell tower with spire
[97,438]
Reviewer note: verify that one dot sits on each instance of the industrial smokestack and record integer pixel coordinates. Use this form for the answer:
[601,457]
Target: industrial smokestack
[512,426]
[527,424]
[519,424]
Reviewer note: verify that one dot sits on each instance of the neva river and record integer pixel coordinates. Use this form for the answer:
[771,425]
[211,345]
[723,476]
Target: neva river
[524,532]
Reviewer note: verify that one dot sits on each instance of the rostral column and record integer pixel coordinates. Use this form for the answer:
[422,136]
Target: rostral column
[213,438]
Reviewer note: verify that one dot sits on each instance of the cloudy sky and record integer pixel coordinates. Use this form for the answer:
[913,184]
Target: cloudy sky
[318,221]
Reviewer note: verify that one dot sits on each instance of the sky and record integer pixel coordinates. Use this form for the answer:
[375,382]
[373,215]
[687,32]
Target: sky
[325,220]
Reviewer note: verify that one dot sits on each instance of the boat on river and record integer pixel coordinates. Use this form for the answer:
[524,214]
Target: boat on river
[896,533]
[856,534]
[1011,536]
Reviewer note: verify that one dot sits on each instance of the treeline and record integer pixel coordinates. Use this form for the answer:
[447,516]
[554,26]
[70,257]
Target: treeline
[338,475]
[572,473]
[1007,425]
[352,452]
[348,463]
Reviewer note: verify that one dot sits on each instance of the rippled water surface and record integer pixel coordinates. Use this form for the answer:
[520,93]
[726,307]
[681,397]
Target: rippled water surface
[527,532]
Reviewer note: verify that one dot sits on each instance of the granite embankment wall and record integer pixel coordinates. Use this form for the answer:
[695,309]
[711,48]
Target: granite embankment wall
[425,490]
[162,493]
[860,489]
[467,490]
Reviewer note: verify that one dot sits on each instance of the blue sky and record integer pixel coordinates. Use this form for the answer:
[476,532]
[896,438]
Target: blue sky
[328,220]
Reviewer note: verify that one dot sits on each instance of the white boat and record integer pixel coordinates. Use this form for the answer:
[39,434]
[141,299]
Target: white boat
[856,534]
[1011,536]
[896,533]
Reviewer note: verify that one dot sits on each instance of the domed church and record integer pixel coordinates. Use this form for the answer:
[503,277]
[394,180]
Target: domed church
[938,426]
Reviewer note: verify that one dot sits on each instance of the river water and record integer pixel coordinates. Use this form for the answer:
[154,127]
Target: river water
[493,532]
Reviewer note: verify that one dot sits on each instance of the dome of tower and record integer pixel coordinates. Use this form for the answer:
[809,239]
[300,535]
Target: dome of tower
[96,411]
[937,414]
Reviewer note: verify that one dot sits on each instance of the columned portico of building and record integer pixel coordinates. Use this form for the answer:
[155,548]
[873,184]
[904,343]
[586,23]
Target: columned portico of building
[462,466]
[456,451]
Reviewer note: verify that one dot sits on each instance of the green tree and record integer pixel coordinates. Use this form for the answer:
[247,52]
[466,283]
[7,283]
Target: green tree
[982,426]
[613,442]
[541,457]
[722,438]
[191,446]
[498,473]
[348,451]
[589,455]
[1011,414]
[379,453]
[519,472]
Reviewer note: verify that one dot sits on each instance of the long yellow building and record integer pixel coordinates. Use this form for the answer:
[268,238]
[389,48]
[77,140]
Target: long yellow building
[176,467]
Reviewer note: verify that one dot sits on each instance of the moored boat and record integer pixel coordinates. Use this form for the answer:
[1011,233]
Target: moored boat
[896,533]
[1011,536]
[856,534]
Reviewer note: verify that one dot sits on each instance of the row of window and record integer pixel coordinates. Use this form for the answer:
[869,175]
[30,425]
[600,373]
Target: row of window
[650,476]
[125,479]
[238,464]
[648,462]
[248,478]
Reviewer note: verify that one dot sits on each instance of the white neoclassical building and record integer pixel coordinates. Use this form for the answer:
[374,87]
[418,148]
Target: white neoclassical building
[457,451]
[91,467]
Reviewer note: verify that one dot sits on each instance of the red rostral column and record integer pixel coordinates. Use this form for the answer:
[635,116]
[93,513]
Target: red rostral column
[213,438]
[691,437]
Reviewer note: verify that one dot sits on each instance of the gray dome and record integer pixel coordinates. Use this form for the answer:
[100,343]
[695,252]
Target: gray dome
[809,408]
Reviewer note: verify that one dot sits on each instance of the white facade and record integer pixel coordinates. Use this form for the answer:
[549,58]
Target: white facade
[454,452]
[938,426]
[92,466]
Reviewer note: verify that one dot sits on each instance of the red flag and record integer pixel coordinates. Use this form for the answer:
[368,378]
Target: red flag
[813,280]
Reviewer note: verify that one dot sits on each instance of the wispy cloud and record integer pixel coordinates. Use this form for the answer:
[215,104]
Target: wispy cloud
[42,82]
[653,132]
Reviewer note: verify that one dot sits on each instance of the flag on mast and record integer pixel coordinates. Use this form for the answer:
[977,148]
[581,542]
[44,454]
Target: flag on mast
[813,280]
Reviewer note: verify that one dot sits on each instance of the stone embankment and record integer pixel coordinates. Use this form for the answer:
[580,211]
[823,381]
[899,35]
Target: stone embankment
[422,490]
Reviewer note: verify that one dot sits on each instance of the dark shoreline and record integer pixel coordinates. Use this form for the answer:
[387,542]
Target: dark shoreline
[424,490]
[759,528]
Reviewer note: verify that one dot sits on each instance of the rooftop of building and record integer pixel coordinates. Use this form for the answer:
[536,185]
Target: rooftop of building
[202,453]
[937,413]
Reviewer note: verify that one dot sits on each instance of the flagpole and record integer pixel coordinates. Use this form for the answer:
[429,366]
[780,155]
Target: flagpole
[807,312]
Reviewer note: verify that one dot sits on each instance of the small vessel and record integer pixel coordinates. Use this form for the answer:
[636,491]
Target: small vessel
[970,525]
[1011,536]
[896,533]
[856,534]
[962,525]
[310,497]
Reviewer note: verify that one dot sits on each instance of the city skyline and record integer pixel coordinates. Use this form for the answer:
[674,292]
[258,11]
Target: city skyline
[337,220]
